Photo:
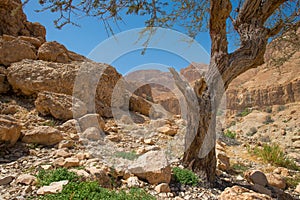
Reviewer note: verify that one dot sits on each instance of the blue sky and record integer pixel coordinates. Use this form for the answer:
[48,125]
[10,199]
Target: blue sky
[91,33]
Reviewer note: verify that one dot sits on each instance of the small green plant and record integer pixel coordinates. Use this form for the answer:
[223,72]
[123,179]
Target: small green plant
[294,181]
[51,123]
[244,113]
[45,177]
[126,155]
[274,155]
[268,120]
[252,131]
[185,176]
[269,109]
[281,108]
[230,134]
[239,167]
[92,191]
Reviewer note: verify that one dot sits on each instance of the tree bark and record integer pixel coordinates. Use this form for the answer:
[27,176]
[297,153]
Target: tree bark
[203,100]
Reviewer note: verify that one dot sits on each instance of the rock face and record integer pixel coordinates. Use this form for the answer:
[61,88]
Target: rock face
[59,105]
[153,166]
[14,22]
[10,45]
[10,130]
[44,135]
[240,193]
[31,77]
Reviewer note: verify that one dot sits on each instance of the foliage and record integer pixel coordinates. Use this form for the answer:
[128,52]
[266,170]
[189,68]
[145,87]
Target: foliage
[45,177]
[252,131]
[185,176]
[268,120]
[269,109]
[126,155]
[84,190]
[294,181]
[92,191]
[230,134]
[239,167]
[244,113]
[276,156]
[281,108]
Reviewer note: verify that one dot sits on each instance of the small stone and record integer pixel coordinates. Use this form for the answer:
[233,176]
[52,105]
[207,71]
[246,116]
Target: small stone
[92,133]
[6,180]
[80,172]
[62,153]
[53,188]
[26,179]
[256,177]
[114,138]
[167,130]
[149,141]
[163,187]
[133,182]
[298,188]
[66,144]
[276,181]
[71,162]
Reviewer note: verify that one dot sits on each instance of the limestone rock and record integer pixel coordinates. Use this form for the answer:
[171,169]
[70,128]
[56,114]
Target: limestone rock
[276,181]
[298,188]
[14,22]
[71,162]
[133,182]
[53,52]
[9,48]
[60,106]
[26,179]
[53,188]
[223,162]
[91,120]
[256,177]
[92,133]
[31,77]
[240,193]
[152,166]
[10,130]
[167,130]
[163,187]
[44,135]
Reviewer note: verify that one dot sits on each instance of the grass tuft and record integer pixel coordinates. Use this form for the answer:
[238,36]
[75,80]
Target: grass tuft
[185,176]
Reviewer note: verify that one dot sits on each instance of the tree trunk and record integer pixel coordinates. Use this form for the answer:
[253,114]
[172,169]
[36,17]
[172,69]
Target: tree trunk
[203,100]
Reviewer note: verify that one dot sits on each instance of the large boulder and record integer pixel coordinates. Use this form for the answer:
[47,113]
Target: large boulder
[59,105]
[14,22]
[15,49]
[94,81]
[10,130]
[44,135]
[55,52]
[153,166]
[240,193]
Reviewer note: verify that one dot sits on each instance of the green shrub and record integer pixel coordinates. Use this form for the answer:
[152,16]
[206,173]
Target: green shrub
[126,155]
[268,109]
[268,120]
[244,113]
[239,167]
[276,156]
[92,191]
[45,177]
[281,108]
[292,182]
[230,134]
[185,176]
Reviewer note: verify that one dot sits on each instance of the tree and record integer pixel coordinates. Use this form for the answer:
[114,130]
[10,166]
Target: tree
[254,23]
